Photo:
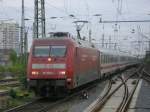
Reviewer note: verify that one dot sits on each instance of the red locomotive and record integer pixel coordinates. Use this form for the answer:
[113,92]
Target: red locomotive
[63,63]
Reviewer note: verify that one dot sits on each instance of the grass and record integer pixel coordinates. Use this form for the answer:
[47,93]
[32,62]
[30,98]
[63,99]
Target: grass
[14,102]
[17,96]
[1,77]
[4,88]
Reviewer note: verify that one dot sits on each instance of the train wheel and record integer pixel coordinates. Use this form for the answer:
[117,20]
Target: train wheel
[60,92]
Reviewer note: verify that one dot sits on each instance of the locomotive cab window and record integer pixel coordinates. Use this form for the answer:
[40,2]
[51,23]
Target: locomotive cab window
[41,51]
[58,51]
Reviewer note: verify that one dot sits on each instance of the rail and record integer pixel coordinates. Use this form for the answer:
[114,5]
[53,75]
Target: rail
[7,80]
[95,106]
[41,105]
[126,98]
[146,75]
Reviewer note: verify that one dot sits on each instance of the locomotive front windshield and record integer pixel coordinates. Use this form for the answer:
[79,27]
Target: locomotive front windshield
[41,51]
[59,51]
[46,51]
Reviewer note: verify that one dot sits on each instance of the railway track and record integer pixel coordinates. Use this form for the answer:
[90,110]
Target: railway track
[146,75]
[44,105]
[127,96]
[99,101]
[125,105]
[4,93]
[9,82]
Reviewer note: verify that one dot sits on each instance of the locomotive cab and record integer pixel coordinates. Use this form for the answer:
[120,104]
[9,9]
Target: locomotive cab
[48,68]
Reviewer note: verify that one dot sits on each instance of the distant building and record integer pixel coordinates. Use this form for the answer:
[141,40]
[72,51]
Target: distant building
[9,35]
[4,57]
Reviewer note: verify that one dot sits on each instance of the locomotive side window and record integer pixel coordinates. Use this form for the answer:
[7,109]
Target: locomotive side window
[58,51]
[41,51]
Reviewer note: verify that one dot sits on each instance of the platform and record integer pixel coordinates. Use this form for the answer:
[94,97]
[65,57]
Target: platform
[143,100]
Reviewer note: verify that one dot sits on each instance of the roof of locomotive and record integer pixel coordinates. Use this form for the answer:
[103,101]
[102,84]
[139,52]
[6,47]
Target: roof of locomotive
[77,42]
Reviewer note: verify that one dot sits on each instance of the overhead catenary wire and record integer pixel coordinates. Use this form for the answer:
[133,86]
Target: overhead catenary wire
[58,9]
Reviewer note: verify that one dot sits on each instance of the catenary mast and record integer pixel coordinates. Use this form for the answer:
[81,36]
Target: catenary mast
[22,37]
[39,19]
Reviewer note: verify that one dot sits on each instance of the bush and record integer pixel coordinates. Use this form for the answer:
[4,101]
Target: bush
[2,69]
[20,71]
[13,57]
[22,79]
[13,93]
[17,69]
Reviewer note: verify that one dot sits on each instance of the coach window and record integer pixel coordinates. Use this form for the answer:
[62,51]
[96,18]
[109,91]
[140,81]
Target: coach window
[104,58]
[111,58]
[58,51]
[107,58]
[116,59]
[41,51]
[101,58]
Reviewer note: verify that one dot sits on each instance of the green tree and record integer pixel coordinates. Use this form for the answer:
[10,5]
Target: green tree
[13,57]
[18,67]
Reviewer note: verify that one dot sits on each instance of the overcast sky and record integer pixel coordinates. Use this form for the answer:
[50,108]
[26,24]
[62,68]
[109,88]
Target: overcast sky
[85,9]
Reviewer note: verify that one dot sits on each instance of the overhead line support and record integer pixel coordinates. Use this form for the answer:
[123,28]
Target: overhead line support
[39,19]
[123,21]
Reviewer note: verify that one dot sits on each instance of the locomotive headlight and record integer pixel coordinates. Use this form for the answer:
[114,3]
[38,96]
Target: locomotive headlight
[49,59]
[34,73]
[62,73]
